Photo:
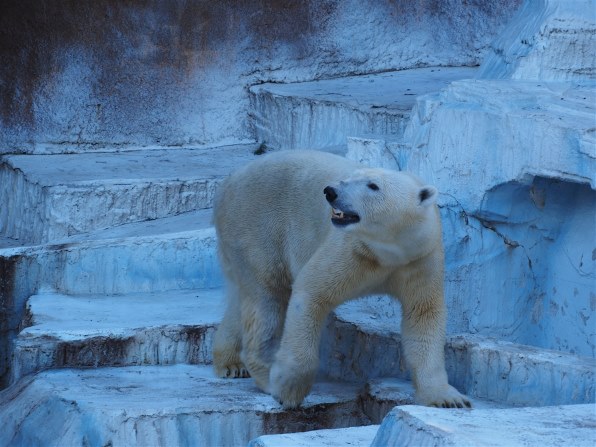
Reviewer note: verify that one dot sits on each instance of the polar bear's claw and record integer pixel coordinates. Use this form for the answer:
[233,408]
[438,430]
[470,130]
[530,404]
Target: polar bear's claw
[236,371]
[289,383]
[464,403]
[447,397]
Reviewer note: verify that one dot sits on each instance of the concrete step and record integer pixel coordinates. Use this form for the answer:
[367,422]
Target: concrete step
[351,436]
[319,114]
[49,197]
[358,346]
[77,331]
[181,405]
[160,405]
[544,426]
[176,252]
[158,328]
[164,254]
[381,396]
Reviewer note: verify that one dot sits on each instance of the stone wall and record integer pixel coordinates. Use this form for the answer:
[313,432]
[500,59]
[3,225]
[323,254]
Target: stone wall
[83,76]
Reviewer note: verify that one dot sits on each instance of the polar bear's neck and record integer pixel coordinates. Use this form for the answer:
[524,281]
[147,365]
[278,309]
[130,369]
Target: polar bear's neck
[389,253]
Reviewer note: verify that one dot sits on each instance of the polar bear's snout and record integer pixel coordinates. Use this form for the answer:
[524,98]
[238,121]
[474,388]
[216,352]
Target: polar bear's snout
[341,214]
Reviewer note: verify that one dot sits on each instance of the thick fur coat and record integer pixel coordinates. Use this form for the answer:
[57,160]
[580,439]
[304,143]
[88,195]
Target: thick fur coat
[301,232]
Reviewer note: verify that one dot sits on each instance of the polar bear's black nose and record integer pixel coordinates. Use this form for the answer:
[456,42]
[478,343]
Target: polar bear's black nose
[330,194]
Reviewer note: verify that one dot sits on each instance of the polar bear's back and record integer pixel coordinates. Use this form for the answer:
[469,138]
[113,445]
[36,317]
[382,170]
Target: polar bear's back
[271,215]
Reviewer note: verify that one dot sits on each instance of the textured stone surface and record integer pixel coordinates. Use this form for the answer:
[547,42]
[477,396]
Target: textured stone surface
[160,405]
[186,404]
[376,150]
[546,426]
[546,40]
[171,253]
[322,114]
[515,163]
[173,327]
[135,329]
[49,197]
[353,436]
[519,375]
[381,396]
[363,343]
[491,132]
[514,158]
[163,254]
[84,76]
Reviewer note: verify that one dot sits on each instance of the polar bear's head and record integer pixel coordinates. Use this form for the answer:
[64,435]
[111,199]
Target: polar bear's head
[391,210]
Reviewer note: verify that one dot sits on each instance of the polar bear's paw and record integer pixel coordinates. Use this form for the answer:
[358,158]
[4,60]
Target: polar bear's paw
[289,386]
[444,396]
[232,371]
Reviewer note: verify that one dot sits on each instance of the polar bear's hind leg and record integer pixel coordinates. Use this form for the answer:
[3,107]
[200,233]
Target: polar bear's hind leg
[263,315]
[227,342]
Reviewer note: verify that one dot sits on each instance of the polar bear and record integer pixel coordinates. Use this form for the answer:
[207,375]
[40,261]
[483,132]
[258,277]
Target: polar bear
[299,233]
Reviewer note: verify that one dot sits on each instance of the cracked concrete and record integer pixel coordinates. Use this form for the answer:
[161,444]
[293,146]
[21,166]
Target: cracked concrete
[428,426]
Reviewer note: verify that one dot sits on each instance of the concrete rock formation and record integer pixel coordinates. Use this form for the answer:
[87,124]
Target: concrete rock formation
[117,123]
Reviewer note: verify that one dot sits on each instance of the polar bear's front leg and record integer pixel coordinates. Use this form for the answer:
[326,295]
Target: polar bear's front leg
[423,339]
[423,347]
[327,280]
[297,360]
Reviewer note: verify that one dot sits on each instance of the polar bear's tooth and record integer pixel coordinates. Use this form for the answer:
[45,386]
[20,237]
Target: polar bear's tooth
[337,213]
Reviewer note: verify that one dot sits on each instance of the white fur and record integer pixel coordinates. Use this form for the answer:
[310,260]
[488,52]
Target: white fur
[287,266]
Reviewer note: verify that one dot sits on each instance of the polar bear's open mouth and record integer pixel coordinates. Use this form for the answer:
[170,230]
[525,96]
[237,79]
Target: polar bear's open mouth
[343,218]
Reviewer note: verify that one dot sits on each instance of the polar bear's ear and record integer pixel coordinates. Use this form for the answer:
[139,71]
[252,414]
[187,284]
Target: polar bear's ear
[428,195]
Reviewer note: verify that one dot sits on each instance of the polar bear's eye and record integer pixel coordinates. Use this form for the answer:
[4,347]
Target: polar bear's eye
[373,186]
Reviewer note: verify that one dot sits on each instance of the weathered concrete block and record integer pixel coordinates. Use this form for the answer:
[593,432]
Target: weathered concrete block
[50,197]
[352,436]
[515,166]
[519,375]
[374,151]
[547,426]
[163,254]
[66,86]
[546,40]
[363,343]
[135,329]
[160,405]
[321,114]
